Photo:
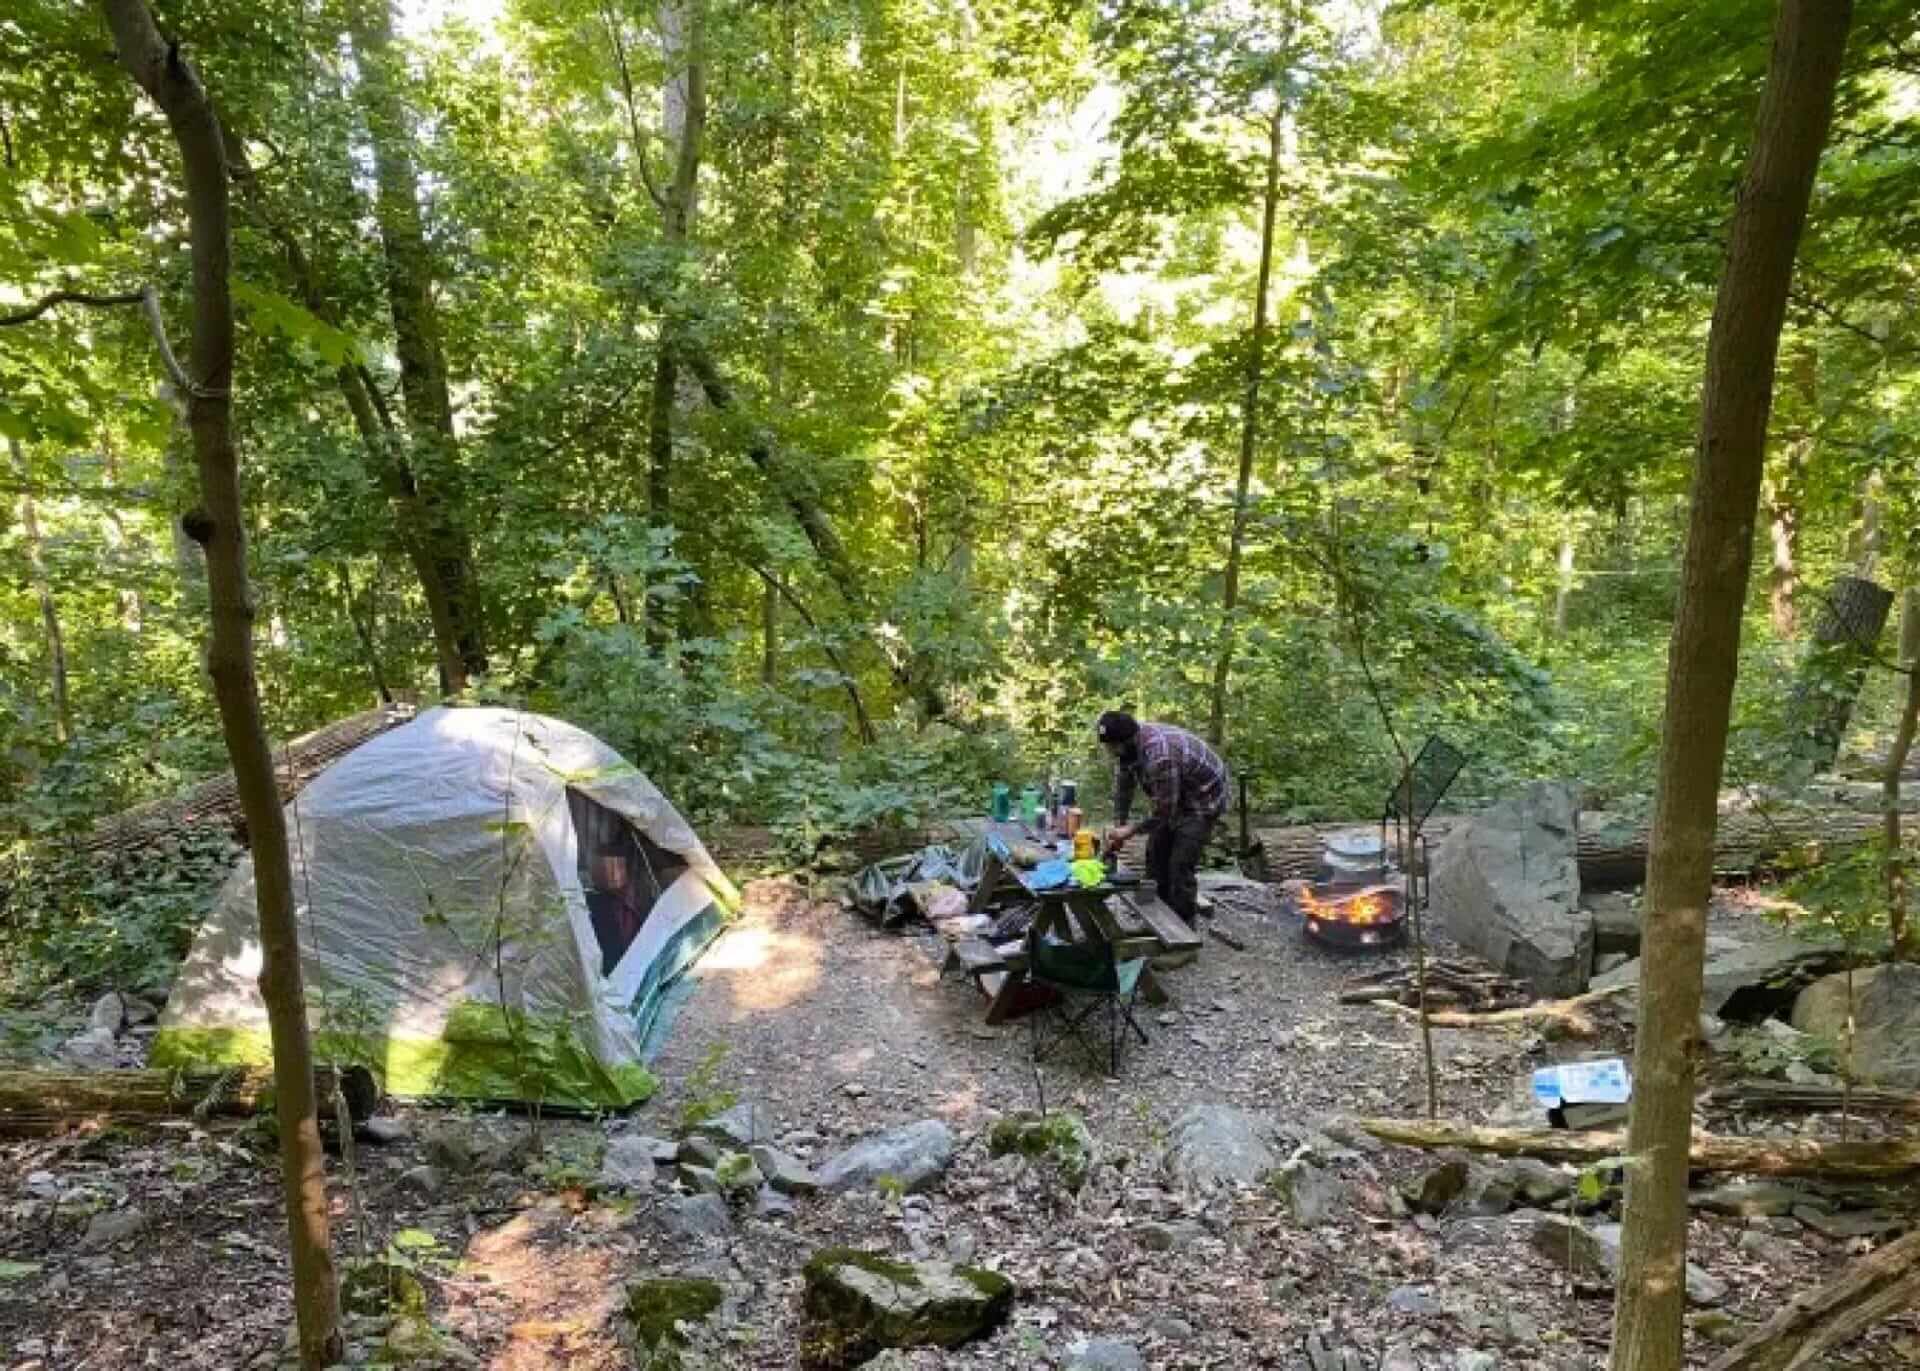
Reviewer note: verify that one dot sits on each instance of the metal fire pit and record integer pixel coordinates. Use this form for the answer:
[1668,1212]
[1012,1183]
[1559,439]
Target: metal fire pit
[1363,916]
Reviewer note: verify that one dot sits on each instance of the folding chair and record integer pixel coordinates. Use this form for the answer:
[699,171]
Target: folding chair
[1088,977]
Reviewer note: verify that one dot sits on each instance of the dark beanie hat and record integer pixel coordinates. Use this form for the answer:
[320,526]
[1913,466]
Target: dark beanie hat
[1115,727]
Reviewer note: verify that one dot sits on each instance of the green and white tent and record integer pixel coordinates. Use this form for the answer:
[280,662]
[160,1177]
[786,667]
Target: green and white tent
[492,905]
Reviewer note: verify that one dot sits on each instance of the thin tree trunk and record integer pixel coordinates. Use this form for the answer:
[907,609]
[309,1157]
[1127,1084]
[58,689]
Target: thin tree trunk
[1783,573]
[1906,947]
[218,525]
[769,635]
[363,634]
[416,333]
[1796,107]
[1563,590]
[43,591]
[1249,430]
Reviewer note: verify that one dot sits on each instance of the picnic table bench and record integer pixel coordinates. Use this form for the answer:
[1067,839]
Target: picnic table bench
[1131,917]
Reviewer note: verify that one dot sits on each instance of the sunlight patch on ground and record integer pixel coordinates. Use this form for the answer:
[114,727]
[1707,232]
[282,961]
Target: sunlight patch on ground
[762,969]
[551,1294]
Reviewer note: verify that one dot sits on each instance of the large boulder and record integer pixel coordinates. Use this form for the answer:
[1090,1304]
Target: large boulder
[1738,970]
[1506,884]
[1886,1021]
[1215,1144]
[913,1157]
[858,1302]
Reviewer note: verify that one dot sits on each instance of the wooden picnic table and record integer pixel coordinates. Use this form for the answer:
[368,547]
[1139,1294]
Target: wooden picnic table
[1130,916]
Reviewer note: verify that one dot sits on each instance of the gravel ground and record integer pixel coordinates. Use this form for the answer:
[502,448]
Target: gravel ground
[836,1031]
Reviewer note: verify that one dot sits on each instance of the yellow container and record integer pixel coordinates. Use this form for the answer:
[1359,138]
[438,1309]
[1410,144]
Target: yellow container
[1083,845]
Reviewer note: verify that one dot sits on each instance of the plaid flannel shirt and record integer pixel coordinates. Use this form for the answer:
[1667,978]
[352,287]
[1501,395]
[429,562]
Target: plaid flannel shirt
[1181,775]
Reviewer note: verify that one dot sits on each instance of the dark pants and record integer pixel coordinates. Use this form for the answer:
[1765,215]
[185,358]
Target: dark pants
[1173,860]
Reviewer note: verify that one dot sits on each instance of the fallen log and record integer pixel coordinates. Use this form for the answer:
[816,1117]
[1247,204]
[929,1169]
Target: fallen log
[1785,1097]
[1876,1287]
[1612,851]
[36,1103]
[1449,984]
[1710,1152]
[217,801]
[1568,1016]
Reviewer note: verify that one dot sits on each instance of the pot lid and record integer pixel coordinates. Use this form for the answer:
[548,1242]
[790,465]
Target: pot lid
[1358,845]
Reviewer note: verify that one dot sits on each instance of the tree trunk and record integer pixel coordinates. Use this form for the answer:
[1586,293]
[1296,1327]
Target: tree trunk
[1249,428]
[43,591]
[1775,1097]
[1876,1287]
[1563,589]
[1835,667]
[769,635]
[1783,576]
[218,525]
[1888,1157]
[1796,106]
[416,335]
[1906,946]
[363,634]
[35,1103]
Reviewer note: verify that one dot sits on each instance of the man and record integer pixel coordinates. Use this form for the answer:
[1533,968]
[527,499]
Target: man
[1187,786]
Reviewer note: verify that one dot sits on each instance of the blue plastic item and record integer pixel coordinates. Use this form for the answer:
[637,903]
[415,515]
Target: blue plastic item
[1050,875]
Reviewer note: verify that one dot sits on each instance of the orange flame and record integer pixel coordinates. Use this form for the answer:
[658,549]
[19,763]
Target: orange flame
[1370,906]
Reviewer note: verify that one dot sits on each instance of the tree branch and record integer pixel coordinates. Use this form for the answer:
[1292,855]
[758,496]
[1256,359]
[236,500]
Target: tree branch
[70,297]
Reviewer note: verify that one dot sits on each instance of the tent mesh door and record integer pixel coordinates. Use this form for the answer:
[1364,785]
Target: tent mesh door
[622,872]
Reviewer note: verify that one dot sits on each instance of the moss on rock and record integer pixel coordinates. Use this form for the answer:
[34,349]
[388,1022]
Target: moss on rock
[656,1308]
[859,1302]
[1061,1139]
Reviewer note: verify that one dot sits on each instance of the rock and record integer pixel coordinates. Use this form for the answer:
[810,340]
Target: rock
[1061,1142]
[1616,925]
[1169,1237]
[425,1181]
[1745,1199]
[1886,1021]
[1469,1360]
[111,1226]
[93,1050]
[857,1302]
[1437,1188]
[1775,1252]
[1603,962]
[698,1150]
[1410,1299]
[1215,1144]
[660,1312]
[664,1150]
[738,1129]
[1399,1357]
[383,1130]
[696,1216]
[1169,1328]
[109,1015]
[628,1164]
[1312,1194]
[1523,1329]
[1537,1183]
[1733,966]
[452,1148]
[373,1287]
[784,1173]
[1852,1223]
[1595,1254]
[914,1156]
[1506,885]
[1821,1009]
[702,1180]
[1718,1326]
[1490,1192]
[771,1204]
[1104,1354]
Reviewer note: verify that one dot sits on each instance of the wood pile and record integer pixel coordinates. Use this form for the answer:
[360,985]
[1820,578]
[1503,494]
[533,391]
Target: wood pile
[1450,985]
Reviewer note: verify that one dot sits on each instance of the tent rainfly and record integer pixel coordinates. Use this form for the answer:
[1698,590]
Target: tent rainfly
[492,905]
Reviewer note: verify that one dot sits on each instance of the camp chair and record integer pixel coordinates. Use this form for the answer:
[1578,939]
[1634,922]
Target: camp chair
[1088,977]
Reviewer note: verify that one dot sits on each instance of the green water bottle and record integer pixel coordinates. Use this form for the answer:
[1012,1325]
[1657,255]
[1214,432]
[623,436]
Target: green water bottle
[1002,808]
[1030,804]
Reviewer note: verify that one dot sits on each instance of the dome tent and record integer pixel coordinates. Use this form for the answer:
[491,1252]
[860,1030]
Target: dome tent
[491,904]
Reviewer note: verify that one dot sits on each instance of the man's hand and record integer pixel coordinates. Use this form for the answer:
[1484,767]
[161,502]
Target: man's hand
[1118,838]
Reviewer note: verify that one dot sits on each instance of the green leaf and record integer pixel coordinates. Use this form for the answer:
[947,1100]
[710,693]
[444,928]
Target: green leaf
[15,1271]
[278,314]
[414,1240]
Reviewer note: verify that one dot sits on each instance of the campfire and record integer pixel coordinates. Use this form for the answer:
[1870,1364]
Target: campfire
[1358,901]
